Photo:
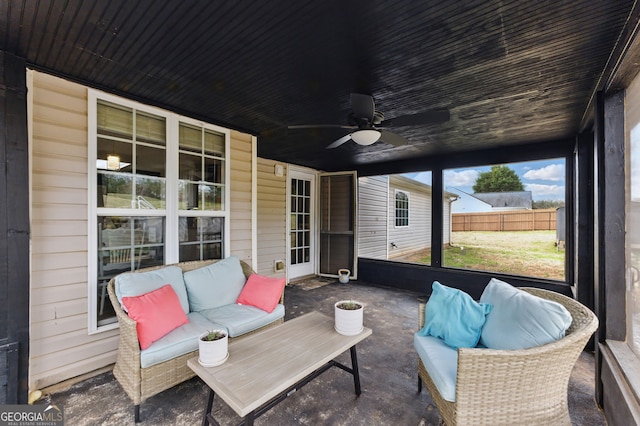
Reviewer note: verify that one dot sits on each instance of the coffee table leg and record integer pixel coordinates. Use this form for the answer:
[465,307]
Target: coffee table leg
[248,420]
[207,411]
[354,367]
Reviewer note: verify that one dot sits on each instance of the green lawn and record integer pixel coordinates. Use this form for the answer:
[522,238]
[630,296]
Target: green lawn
[527,253]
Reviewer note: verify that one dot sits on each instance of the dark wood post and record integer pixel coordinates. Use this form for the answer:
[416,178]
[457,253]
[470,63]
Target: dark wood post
[14,228]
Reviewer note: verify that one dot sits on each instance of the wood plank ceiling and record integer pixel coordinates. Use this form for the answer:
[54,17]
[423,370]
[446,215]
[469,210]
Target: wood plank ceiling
[509,71]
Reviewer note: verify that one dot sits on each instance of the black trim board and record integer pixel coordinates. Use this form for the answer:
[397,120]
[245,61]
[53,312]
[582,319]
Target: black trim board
[562,148]
[418,278]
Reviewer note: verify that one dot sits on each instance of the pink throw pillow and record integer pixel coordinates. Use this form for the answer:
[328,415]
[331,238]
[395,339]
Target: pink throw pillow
[156,314]
[262,292]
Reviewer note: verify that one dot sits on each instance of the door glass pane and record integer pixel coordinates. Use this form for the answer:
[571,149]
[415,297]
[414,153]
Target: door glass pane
[300,220]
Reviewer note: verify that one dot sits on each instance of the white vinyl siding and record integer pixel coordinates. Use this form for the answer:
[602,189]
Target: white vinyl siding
[446,220]
[372,217]
[272,218]
[240,207]
[60,347]
[417,236]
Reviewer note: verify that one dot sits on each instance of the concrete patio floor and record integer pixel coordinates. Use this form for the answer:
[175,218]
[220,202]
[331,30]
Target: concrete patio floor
[388,375]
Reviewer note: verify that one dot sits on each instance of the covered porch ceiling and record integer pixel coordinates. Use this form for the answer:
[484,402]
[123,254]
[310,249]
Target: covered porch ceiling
[509,72]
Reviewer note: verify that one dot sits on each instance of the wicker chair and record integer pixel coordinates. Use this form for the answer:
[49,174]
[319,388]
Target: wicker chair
[515,387]
[142,383]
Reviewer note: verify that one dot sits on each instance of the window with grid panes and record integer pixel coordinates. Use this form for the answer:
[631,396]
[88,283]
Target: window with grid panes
[201,189]
[130,176]
[300,221]
[402,209]
[133,220]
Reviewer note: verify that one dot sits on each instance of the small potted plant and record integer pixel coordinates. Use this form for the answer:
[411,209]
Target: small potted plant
[349,317]
[213,346]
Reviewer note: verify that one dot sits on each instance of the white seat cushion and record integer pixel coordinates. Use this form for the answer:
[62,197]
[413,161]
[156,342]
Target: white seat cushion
[440,361]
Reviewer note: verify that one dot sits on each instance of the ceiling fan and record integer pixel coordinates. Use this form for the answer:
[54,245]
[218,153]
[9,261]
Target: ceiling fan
[369,125]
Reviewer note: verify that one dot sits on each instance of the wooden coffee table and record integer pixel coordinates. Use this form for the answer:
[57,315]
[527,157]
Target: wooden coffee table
[266,367]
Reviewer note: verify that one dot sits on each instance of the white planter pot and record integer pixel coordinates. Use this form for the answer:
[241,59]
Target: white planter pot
[213,352]
[349,322]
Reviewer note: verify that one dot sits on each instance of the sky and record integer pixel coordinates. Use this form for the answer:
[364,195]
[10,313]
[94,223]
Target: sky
[545,179]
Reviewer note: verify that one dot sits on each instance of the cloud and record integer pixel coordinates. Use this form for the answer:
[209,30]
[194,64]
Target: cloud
[424,177]
[462,178]
[552,172]
[546,192]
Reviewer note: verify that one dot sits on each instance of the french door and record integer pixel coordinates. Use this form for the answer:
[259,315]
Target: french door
[302,229]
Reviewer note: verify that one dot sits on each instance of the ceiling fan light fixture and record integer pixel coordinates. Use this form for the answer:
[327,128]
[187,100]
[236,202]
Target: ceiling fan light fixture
[365,137]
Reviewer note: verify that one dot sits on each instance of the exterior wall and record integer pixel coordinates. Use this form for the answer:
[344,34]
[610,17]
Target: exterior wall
[467,203]
[240,186]
[272,218]
[372,217]
[61,347]
[416,236]
[376,217]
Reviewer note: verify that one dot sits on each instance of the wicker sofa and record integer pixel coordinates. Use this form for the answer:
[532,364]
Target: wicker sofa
[141,382]
[507,387]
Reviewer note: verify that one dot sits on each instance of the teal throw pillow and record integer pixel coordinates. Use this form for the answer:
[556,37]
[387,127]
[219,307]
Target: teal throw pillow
[215,285]
[453,316]
[520,320]
[132,284]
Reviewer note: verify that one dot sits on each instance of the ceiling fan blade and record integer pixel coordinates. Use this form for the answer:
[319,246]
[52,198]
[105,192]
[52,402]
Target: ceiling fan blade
[340,141]
[363,106]
[392,138]
[421,118]
[320,126]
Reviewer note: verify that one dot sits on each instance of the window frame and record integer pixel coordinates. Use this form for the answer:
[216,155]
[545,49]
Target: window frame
[224,212]
[568,204]
[171,212]
[396,208]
